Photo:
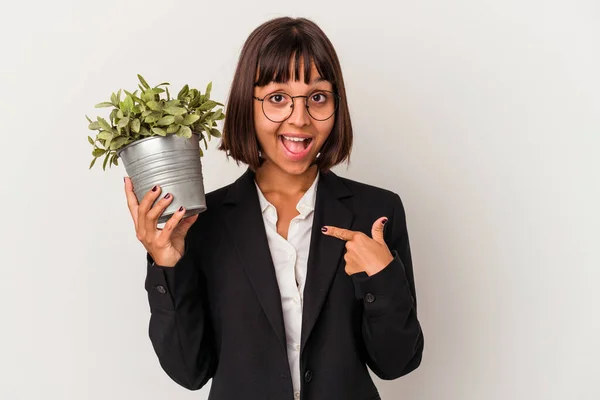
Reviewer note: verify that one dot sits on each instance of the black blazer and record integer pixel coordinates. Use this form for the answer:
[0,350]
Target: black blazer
[217,314]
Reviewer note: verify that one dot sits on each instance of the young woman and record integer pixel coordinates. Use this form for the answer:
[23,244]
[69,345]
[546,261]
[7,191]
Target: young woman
[294,280]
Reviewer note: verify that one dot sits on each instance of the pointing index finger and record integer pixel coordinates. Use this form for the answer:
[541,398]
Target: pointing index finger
[340,233]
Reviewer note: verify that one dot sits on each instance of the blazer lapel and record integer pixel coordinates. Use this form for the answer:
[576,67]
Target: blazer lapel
[325,251]
[246,226]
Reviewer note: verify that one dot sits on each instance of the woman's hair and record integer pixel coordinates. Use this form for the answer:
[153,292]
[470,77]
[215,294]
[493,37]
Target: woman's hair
[269,50]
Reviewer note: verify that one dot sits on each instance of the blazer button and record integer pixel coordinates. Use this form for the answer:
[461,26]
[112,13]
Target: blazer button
[308,376]
[369,297]
[161,289]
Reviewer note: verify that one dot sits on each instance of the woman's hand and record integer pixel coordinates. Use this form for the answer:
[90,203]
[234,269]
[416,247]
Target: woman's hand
[363,254]
[166,246]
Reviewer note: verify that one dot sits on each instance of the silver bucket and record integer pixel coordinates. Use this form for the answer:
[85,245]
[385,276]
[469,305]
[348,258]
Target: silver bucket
[173,163]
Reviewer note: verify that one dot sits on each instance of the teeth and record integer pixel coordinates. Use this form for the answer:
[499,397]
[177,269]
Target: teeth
[293,139]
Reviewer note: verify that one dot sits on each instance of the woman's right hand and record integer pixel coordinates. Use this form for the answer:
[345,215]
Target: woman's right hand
[166,245]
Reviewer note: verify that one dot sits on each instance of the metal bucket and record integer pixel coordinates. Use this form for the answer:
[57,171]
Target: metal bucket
[173,163]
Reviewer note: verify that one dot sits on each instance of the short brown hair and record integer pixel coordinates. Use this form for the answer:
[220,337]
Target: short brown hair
[269,50]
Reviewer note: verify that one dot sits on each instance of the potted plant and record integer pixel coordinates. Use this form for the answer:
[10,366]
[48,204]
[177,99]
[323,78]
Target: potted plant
[158,139]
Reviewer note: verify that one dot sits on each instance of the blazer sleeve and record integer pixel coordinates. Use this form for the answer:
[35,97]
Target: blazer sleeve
[391,332]
[179,328]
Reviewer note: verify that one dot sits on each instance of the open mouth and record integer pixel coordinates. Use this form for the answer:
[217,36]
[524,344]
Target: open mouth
[295,145]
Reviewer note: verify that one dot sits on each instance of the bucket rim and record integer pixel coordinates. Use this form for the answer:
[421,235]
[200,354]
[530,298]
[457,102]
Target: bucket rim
[149,138]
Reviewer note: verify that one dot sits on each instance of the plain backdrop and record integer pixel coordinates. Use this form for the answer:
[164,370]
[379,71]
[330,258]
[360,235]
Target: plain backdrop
[484,116]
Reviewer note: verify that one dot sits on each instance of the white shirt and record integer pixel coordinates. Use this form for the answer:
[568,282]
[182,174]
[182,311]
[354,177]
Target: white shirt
[290,258]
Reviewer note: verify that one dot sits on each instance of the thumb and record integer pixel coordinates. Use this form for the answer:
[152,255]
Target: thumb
[377,230]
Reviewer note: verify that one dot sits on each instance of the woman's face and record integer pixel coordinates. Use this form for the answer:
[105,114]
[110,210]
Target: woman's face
[276,139]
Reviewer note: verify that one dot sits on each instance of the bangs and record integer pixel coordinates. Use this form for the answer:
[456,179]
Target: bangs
[278,58]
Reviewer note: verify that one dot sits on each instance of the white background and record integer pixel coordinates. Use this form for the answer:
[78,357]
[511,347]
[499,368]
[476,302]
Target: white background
[483,116]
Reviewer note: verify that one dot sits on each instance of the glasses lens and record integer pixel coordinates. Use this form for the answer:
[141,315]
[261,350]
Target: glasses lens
[277,106]
[321,105]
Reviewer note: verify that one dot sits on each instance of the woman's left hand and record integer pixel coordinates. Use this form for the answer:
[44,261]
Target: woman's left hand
[363,254]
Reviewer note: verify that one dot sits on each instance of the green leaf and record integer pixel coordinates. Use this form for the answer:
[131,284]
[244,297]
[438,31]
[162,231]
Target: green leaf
[93,162]
[179,119]
[159,131]
[119,96]
[195,101]
[94,126]
[134,96]
[114,116]
[166,120]
[147,96]
[154,105]
[183,92]
[168,95]
[214,132]
[143,81]
[98,152]
[107,143]
[104,125]
[175,110]
[218,115]
[90,140]
[162,84]
[105,161]
[128,103]
[104,104]
[190,119]
[123,123]
[201,152]
[113,100]
[118,142]
[208,89]
[185,132]
[114,159]
[144,131]
[105,135]
[120,114]
[155,116]
[173,128]
[135,125]
[88,118]
[208,105]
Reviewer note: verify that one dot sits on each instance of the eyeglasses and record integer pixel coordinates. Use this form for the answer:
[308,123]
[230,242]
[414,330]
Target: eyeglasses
[279,106]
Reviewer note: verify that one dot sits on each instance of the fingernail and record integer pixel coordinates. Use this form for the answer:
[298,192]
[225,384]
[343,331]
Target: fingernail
[384,221]
[167,196]
[324,229]
[180,208]
[154,188]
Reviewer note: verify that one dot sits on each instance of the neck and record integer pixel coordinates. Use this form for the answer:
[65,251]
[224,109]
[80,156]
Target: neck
[272,179]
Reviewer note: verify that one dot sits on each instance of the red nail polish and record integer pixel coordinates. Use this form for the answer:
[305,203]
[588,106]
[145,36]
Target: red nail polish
[384,221]
[324,229]
[154,188]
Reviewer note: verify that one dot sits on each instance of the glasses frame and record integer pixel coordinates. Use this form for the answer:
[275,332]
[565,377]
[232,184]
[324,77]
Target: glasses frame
[336,96]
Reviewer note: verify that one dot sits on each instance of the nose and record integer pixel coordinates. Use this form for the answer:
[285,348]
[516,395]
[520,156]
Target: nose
[299,115]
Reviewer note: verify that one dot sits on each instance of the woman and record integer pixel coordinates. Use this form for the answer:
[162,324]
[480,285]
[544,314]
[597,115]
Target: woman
[288,286]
